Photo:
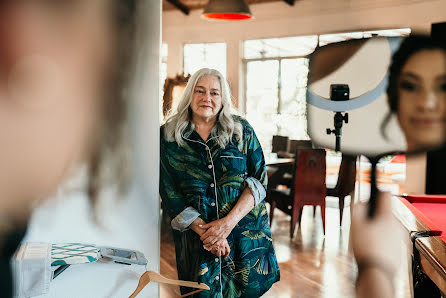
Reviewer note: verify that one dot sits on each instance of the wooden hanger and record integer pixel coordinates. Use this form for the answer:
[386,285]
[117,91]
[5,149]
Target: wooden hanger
[149,276]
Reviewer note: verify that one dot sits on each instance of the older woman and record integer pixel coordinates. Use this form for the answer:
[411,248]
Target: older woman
[212,185]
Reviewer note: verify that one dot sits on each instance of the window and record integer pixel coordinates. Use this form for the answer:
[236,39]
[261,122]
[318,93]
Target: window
[280,47]
[199,55]
[276,72]
[276,81]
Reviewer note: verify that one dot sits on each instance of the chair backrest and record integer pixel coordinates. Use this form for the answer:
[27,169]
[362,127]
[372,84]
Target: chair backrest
[347,175]
[299,144]
[280,143]
[309,176]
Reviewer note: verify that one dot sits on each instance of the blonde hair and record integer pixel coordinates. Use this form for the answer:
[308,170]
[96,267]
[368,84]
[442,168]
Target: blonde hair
[179,120]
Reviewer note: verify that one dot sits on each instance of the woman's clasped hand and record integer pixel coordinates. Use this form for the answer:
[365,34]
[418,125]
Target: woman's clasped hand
[214,239]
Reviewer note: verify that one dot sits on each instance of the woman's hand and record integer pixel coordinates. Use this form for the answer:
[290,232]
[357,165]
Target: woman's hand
[216,231]
[220,248]
[378,246]
[383,226]
[220,229]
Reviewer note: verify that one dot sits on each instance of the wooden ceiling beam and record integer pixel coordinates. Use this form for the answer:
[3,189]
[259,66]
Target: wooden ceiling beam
[290,2]
[183,8]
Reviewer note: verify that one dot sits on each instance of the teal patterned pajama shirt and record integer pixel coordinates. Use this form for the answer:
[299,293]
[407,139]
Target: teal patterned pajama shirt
[202,179]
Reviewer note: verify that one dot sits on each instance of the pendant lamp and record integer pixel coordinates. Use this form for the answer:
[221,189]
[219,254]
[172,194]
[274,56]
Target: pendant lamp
[231,10]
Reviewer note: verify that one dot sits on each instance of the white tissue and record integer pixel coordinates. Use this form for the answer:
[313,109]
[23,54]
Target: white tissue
[31,268]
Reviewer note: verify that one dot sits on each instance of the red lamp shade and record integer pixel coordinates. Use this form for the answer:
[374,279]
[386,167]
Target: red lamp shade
[231,10]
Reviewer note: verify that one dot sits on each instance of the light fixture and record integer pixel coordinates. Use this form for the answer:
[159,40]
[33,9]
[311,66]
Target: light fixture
[231,10]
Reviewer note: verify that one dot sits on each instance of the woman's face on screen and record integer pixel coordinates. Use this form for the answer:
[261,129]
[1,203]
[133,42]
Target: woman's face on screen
[422,99]
[54,61]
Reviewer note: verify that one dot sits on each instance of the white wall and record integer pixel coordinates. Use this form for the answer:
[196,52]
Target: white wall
[144,118]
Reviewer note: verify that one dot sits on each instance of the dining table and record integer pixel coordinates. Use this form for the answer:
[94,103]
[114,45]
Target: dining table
[278,169]
[278,162]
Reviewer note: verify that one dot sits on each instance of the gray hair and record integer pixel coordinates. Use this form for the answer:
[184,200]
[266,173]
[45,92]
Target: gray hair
[179,120]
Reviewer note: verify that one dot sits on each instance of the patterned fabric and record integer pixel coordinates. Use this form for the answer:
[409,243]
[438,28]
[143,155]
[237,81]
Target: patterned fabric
[257,189]
[73,253]
[210,179]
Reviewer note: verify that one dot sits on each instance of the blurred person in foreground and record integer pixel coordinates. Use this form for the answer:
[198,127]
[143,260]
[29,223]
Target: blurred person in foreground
[63,65]
[377,247]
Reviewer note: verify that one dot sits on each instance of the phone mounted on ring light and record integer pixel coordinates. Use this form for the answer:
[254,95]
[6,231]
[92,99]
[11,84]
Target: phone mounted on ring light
[366,68]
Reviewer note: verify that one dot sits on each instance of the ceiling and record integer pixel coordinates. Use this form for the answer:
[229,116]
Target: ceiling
[200,4]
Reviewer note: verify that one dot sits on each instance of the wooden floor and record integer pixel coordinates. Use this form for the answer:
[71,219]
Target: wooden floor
[311,265]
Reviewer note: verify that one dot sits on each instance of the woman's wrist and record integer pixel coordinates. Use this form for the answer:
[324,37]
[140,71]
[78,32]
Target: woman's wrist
[195,226]
[231,220]
[244,206]
[368,263]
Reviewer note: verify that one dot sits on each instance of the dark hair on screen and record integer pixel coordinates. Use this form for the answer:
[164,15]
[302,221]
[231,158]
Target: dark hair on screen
[409,47]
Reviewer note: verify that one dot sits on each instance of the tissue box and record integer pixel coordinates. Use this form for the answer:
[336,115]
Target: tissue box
[31,269]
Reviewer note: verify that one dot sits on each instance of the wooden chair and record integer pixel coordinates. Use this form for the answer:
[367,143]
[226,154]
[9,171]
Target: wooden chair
[345,184]
[295,145]
[308,187]
[280,143]
[299,144]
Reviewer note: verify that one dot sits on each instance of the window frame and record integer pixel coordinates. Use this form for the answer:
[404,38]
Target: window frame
[279,87]
[204,43]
